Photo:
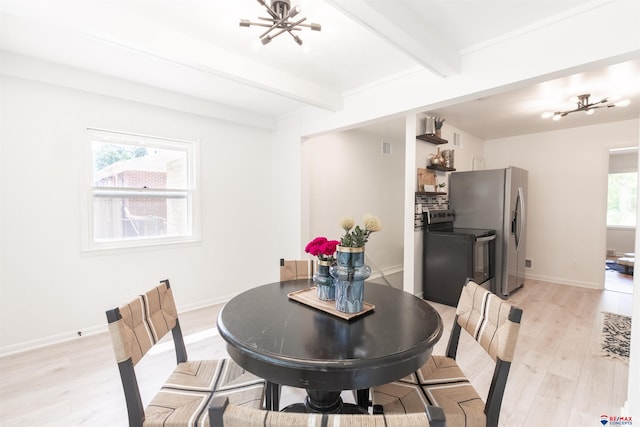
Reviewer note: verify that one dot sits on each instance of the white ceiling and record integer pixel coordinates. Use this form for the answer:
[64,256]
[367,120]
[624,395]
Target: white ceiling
[196,47]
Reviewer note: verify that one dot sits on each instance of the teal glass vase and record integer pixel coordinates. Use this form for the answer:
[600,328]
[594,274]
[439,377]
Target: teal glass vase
[349,275]
[325,289]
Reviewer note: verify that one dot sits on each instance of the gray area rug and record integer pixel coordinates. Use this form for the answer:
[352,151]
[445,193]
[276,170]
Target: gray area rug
[616,336]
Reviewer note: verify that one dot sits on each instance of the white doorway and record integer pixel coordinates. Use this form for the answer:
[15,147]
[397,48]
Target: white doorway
[621,219]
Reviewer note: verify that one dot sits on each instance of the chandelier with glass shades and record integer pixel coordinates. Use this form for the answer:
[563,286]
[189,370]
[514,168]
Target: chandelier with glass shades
[279,22]
[583,104]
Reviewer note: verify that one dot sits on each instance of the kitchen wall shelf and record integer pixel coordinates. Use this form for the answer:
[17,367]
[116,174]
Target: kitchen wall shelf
[440,168]
[432,139]
[430,193]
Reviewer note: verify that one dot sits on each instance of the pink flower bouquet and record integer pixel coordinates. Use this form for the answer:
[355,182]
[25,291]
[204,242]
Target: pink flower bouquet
[322,248]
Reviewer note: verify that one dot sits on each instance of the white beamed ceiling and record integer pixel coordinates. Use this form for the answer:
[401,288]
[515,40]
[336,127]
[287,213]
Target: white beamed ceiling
[196,48]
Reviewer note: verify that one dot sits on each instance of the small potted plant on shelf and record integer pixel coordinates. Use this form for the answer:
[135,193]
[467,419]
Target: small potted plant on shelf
[440,187]
[439,121]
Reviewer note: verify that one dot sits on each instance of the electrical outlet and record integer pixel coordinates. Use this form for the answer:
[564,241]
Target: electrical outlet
[528,263]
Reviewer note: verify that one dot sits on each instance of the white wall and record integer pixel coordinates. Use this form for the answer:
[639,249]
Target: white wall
[285,187]
[45,277]
[346,174]
[566,238]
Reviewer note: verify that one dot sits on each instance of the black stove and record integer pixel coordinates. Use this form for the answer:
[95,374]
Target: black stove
[453,255]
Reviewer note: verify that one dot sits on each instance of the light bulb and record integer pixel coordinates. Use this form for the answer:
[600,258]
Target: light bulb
[622,103]
[546,114]
[590,111]
[294,11]
[557,117]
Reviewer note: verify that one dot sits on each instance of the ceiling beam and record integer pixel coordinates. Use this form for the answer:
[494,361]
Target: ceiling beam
[210,59]
[165,44]
[31,68]
[429,49]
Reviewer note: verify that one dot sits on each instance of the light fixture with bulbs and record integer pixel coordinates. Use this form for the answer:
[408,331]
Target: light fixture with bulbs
[583,104]
[280,11]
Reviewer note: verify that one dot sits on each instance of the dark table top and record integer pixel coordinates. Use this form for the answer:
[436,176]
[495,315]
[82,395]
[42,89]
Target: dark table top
[289,343]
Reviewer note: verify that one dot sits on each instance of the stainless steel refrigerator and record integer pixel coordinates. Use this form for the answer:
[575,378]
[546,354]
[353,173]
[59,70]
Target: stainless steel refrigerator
[495,199]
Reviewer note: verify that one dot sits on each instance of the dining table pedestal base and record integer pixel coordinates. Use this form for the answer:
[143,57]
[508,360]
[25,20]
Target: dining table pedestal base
[325,402]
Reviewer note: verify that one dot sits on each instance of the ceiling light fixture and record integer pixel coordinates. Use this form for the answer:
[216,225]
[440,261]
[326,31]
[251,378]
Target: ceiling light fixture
[280,11]
[586,106]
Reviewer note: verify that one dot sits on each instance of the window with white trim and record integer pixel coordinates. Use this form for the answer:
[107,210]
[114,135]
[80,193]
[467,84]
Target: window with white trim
[142,190]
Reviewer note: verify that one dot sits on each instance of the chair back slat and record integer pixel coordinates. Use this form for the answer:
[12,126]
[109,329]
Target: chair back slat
[161,310]
[492,322]
[142,322]
[296,269]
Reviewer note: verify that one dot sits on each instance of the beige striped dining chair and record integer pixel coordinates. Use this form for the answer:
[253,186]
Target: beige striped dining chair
[184,398]
[494,324]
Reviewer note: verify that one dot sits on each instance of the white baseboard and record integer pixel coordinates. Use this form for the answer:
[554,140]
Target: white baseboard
[206,303]
[562,281]
[51,339]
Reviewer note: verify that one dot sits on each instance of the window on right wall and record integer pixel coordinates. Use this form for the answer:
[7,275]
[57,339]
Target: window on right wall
[622,199]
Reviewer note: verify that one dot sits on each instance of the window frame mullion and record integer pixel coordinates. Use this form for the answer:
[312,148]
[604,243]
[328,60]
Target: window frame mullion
[140,192]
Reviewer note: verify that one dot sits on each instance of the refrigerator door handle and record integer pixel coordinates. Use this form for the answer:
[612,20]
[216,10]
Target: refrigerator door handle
[520,208]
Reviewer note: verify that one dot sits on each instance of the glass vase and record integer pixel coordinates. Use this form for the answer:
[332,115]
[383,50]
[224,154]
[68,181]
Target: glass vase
[325,288]
[349,275]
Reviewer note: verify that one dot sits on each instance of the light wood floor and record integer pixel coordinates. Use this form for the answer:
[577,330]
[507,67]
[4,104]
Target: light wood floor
[558,376]
[619,282]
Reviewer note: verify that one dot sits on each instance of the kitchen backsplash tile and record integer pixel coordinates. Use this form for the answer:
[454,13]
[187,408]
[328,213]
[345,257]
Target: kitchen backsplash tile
[431,202]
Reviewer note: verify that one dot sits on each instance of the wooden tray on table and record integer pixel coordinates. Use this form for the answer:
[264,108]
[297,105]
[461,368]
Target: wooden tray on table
[309,297]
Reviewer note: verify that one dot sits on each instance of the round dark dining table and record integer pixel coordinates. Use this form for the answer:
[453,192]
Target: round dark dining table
[290,343]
